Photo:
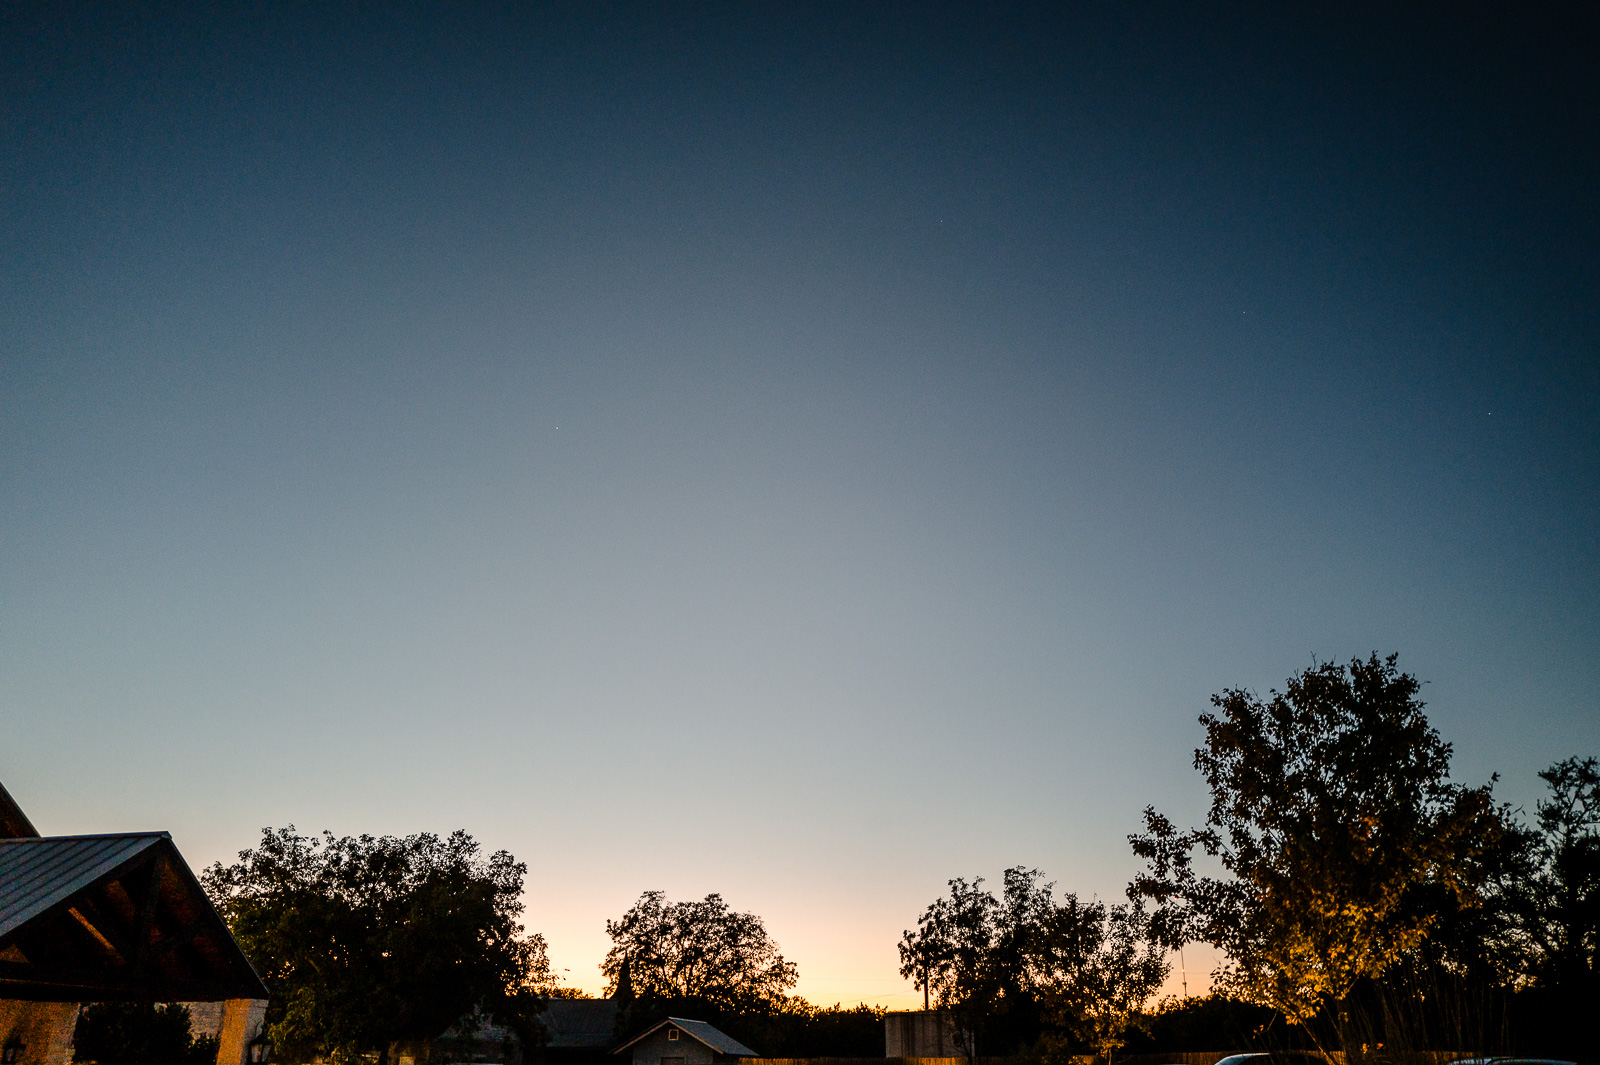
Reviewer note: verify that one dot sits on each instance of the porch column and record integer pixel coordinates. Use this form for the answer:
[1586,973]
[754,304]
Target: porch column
[242,1019]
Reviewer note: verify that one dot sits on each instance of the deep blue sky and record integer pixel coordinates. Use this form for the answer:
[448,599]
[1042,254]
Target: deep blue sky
[803,452]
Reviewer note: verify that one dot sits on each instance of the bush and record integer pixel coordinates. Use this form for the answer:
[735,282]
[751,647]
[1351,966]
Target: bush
[138,1033]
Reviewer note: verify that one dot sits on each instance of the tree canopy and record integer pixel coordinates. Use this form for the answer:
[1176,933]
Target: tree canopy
[1013,968]
[701,950]
[1331,812]
[953,952]
[364,941]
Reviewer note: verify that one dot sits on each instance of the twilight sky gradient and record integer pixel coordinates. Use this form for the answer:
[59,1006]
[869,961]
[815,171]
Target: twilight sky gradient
[800,451]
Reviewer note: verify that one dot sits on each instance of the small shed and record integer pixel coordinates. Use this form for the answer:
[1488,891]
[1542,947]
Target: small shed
[678,1041]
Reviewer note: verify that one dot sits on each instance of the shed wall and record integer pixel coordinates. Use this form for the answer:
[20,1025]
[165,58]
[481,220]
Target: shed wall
[691,1051]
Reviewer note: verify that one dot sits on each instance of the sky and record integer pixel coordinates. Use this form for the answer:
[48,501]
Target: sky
[805,452]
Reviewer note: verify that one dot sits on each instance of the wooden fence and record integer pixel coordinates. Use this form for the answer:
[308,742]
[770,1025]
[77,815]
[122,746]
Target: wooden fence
[875,1061]
[1191,1057]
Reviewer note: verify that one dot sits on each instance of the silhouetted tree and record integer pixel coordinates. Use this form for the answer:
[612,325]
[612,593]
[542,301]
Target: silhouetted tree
[1554,913]
[1098,980]
[139,1033]
[828,1031]
[1331,810]
[1560,901]
[1004,967]
[952,952]
[696,950]
[794,1028]
[364,941]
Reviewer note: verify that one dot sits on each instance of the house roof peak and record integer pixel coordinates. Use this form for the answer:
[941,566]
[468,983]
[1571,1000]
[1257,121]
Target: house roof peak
[14,824]
[700,1031]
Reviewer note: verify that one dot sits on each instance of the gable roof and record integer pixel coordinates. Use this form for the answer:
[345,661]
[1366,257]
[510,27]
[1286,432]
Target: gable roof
[718,1041]
[112,918]
[36,874]
[14,824]
[579,1022]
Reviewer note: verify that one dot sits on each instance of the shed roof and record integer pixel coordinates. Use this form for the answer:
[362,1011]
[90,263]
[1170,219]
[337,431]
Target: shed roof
[114,917]
[718,1041]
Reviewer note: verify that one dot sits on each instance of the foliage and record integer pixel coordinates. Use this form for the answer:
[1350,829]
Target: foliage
[1331,809]
[1211,1022]
[794,1028]
[1107,974]
[1475,941]
[128,1033]
[806,1031]
[952,952]
[562,991]
[1551,907]
[703,960]
[1499,972]
[696,950]
[364,941]
[1559,903]
[1001,967]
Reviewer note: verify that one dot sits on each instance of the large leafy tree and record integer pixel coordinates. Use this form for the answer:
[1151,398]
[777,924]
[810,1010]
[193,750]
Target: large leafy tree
[696,950]
[1006,967]
[365,941]
[1332,813]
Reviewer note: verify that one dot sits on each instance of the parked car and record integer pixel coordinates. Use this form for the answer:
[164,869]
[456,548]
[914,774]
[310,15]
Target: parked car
[1276,1057]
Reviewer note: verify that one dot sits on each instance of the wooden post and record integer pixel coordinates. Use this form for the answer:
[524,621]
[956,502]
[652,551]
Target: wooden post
[242,1019]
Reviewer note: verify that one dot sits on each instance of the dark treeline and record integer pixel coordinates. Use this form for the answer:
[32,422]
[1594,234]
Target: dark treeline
[1362,899]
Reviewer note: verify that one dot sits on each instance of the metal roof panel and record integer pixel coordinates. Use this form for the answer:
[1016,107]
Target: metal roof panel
[36,874]
[717,1040]
[579,1022]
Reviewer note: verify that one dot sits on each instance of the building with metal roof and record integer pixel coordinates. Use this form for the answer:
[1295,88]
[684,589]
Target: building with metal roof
[680,1041]
[112,918]
[105,918]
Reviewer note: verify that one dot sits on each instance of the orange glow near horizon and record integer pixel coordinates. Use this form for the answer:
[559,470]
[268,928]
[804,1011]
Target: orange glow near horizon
[860,972]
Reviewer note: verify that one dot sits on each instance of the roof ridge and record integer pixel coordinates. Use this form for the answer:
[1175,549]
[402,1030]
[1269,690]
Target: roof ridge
[24,840]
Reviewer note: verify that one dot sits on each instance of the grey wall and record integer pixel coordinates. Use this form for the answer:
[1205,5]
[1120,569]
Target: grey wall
[919,1034]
